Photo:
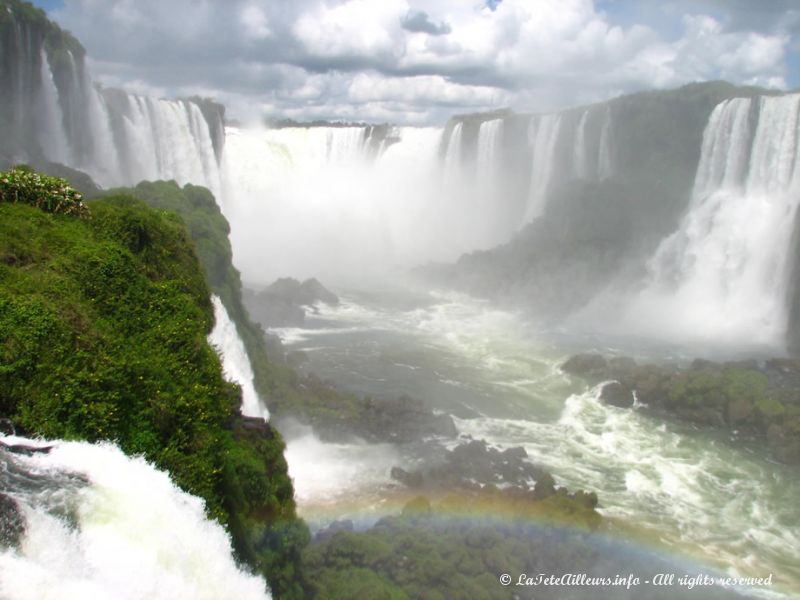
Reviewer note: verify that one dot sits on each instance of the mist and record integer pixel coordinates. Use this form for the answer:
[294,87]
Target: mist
[334,203]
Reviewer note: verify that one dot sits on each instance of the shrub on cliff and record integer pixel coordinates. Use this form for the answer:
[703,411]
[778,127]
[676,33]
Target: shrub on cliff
[51,194]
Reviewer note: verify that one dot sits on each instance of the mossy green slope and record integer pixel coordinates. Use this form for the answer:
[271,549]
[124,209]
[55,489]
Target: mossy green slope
[286,394]
[103,326]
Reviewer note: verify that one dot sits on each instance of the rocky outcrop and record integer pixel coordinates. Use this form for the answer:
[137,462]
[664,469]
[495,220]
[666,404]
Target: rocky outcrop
[753,400]
[286,301]
[402,420]
[336,416]
[476,467]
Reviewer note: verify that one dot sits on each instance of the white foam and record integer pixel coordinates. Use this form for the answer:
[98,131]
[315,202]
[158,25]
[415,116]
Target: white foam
[325,473]
[137,536]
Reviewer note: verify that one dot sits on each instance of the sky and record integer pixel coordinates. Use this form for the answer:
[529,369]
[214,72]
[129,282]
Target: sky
[421,61]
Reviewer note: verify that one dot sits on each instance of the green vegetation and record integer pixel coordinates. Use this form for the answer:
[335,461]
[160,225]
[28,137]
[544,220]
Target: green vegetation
[57,42]
[103,326]
[427,553]
[758,402]
[286,393]
[51,194]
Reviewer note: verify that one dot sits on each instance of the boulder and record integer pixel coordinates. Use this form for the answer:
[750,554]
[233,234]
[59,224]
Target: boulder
[585,365]
[403,419]
[284,302]
[616,394]
[12,522]
[412,480]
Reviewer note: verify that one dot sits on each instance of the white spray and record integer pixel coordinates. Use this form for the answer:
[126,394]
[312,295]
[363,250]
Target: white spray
[133,535]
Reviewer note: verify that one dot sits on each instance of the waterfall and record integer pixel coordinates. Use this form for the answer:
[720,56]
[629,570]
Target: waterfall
[452,155]
[51,110]
[543,134]
[724,273]
[489,146]
[345,144]
[150,139]
[580,167]
[52,138]
[235,361]
[99,524]
[725,153]
[604,164]
[102,163]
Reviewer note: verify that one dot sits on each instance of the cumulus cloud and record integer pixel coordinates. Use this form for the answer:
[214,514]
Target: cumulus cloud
[421,60]
[419,22]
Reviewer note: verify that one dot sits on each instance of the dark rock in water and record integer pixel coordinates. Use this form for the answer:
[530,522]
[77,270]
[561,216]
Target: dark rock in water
[402,420]
[12,522]
[412,480]
[545,486]
[616,394]
[300,294]
[474,464]
[516,453]
[271,311]
[587,499]
[312,291]
[585,364]
[285,302]
[754,400]
[25,449]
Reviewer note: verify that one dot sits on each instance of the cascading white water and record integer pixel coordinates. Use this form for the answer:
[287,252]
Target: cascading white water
[99,524]
[235,361]
[726,148]
[159,139]
[580,159]
[489,140]
[605,167]
[52,138]
[723,274]
[452,155]
[117,138]
[543,134]
[103,162]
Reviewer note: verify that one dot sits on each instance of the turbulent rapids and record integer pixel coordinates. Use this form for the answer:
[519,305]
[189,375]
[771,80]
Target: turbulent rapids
[669,485]
[99,524]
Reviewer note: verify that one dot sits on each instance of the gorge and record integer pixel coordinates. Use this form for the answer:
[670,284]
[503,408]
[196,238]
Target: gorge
[470,261]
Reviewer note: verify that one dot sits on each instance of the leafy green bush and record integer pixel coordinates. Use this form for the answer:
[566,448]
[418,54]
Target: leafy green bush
[435,556]
[51,194]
